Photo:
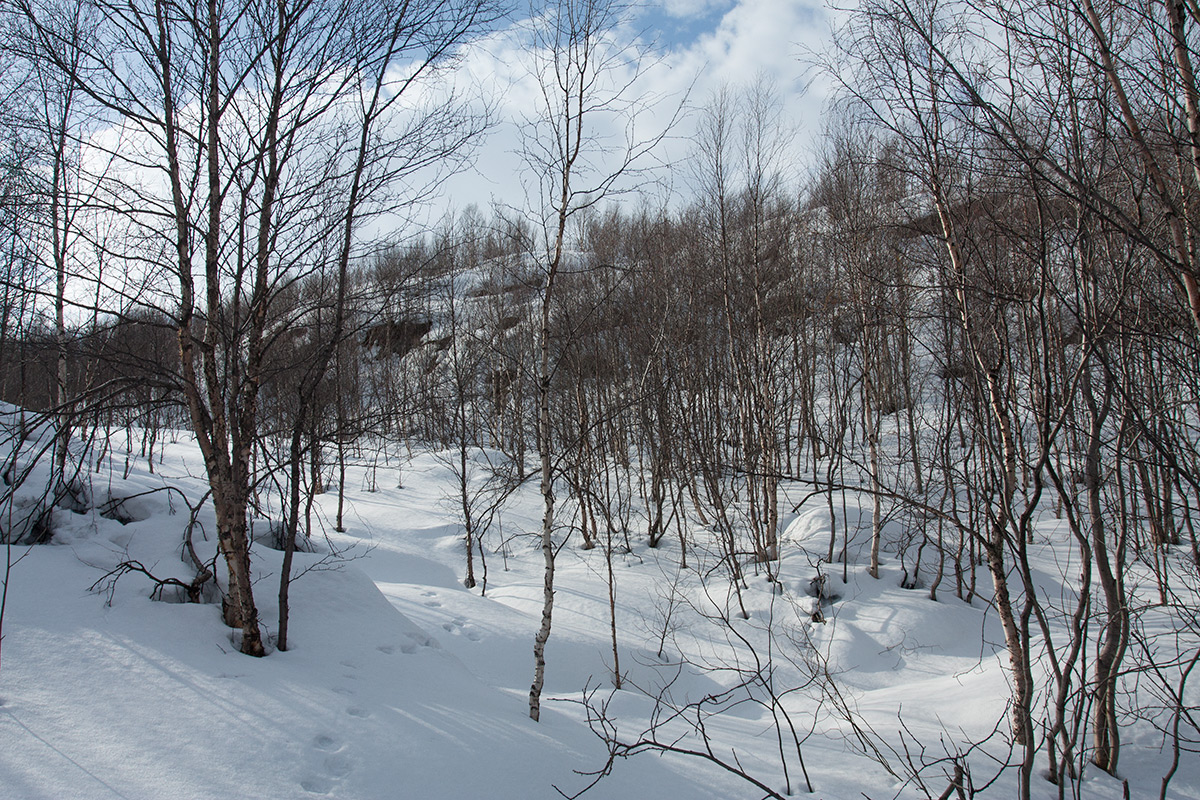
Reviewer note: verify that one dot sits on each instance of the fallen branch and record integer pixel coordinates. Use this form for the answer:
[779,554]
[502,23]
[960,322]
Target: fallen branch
[109,580]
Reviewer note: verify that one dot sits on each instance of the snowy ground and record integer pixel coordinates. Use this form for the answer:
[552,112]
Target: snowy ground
[400,683]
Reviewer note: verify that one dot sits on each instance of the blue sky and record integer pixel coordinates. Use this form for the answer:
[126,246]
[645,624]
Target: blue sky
[678,23]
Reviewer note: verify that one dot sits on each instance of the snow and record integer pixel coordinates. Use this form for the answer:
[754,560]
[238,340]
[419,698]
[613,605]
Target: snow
[401,683]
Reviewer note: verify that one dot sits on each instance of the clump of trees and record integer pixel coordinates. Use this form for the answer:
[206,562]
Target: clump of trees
[207,168]
[979,313]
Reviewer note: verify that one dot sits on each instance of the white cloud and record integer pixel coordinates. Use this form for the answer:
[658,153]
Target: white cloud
[771,38]
[761,36]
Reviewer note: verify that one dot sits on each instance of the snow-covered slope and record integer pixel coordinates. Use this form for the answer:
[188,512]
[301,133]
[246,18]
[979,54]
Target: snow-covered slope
[400,683]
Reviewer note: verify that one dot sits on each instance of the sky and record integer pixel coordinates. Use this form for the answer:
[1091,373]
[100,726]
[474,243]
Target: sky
[693,48]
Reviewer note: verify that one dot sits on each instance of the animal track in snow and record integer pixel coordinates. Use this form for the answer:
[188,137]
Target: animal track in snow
[335,765]
[386,649]
[458,626]
[316,784]
[419,640]
[360,713]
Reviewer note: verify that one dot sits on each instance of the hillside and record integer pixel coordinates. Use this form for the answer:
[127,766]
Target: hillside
[401,683]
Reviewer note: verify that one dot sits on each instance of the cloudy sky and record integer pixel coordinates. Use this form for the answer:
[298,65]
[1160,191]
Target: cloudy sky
[698,46]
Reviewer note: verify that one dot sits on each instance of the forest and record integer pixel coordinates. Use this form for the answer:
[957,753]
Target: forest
[949,366]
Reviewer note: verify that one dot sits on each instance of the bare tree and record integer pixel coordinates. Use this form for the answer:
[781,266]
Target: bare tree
[586,82]
[255,120]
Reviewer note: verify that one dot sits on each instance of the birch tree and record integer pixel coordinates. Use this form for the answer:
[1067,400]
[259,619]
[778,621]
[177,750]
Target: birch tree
[242,126]
[582,146]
